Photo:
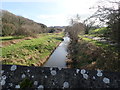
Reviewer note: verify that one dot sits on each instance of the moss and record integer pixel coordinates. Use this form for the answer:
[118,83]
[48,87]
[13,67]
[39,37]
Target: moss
[26,83]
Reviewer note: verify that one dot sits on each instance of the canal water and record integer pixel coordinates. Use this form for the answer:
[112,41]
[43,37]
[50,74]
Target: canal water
[57,59]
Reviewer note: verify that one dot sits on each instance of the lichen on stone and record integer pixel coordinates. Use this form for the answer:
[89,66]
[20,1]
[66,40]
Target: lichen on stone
[4,77]
[17,86]
[77,70]
[13,68]
[59,68]
[93,77]
[2,71]
[10,84]
[28,70]
[53,72]
[83,71]
[41,87]
[2,82]
[74,74]
[85,76]
[35,82]
[65,85]
[23,76]
[51,68]
[45,76]
[106,80]
[32,76]
[99,73]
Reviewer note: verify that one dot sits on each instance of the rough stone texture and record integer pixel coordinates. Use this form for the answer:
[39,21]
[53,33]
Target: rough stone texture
[48,77]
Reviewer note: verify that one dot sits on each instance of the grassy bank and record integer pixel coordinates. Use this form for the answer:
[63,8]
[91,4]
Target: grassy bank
[31,52]
[93,54]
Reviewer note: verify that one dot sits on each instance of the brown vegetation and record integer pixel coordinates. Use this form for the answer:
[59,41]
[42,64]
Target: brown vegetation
[88,56]
[6,43]
[18,25]
[75,29]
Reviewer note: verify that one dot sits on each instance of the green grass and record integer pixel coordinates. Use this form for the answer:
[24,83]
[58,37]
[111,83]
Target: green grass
[99,32]
[98,43]
[29,52]
[7,38]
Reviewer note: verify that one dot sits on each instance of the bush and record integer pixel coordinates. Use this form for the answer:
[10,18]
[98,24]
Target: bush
[24,30]
[8,29]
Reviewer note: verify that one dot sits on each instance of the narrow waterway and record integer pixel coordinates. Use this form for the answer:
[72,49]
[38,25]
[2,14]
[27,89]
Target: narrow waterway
[57,59]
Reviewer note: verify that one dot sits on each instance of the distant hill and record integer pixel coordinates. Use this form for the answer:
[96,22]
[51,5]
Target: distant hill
[18,25]
[56,29]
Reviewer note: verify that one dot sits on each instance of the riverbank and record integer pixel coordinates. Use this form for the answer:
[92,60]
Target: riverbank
[32,52]
[92,55]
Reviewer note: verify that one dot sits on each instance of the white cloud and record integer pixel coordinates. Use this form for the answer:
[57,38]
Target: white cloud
[58,19]
[57,16]
[69,9]
[78,6]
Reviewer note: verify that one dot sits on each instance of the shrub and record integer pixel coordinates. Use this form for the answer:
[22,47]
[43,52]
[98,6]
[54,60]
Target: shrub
[8,29]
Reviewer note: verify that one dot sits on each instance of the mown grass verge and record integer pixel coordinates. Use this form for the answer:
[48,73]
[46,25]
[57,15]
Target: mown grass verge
[31,52]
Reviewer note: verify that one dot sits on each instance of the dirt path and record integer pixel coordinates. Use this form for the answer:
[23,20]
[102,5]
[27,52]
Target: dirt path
[6,43]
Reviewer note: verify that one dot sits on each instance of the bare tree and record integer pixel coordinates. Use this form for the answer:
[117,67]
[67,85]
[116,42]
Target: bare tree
[75,28]
[88,25]
[111,17]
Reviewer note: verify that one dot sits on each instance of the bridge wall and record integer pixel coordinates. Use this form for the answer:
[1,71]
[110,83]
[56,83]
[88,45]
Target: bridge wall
[22,77]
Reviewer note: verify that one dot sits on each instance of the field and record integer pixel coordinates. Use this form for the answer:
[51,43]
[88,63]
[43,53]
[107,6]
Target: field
[31,52]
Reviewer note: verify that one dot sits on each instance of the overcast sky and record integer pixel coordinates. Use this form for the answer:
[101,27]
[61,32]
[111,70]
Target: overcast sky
[50,12]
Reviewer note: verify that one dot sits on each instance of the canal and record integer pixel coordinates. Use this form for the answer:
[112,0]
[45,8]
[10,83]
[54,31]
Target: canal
[57,59]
